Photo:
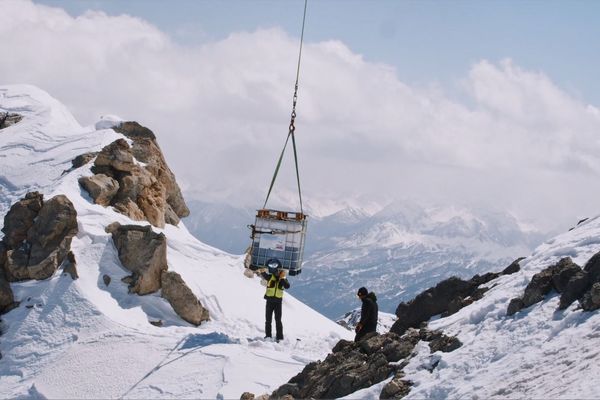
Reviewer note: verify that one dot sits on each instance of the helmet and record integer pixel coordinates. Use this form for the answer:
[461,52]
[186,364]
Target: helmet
[273,264]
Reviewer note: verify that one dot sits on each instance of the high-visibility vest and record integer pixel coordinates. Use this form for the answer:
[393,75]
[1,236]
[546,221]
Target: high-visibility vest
[273,289]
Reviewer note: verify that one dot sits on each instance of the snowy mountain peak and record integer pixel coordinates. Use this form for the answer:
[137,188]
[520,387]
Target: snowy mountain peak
[64,328]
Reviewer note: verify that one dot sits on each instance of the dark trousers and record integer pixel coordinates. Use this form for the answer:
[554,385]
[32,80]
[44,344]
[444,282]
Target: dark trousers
[273,306]
[363,332]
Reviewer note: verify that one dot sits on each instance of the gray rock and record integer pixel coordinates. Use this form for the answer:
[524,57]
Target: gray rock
[116,156]
[47,244]
[2,255]
[564,271]
[397,388]
[515,306]
[143,192]
[20,218]
[539,286]
[102,188]
[447,296]
[106,279]
[70,266]
[83,159]
[182,299]
[575,288]
[352,366]
[128,280]
[143,252]
[342,345]
[145,148]
[563,276]
[6,294]
[444,343]
[592,267]
[513,267]
[8,119]
[591,299]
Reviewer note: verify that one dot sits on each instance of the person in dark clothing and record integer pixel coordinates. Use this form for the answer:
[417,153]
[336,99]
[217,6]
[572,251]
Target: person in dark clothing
[368,314]
[276,284]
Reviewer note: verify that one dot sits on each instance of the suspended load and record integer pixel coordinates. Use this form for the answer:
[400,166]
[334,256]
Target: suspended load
[278,236]
[278,240]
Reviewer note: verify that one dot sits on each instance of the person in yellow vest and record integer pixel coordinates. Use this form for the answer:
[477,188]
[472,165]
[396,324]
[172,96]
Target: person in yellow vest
[276,284]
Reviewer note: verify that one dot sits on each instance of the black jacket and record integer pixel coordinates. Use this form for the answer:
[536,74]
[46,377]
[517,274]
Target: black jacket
[369,313]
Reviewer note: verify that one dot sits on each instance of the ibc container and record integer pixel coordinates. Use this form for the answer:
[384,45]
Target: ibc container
[278,235]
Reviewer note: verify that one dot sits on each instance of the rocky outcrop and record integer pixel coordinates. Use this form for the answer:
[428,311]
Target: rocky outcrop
[564,277]
[145,149]
[102,188]
[70,266]
[7,119]
[397,388]
[80,161]
[353,366]
[182,299]
[591,299]
[20,217]
[135,179]
[446,298]
[7,300]
[37,237]
[143,252]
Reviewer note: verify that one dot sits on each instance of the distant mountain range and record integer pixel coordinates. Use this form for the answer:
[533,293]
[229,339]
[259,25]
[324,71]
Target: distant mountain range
[396,251]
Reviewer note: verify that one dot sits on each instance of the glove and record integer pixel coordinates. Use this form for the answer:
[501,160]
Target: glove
[261,270]
[358,327]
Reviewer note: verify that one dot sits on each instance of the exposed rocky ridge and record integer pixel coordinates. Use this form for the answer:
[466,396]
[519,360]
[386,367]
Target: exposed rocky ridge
[7,119]
[182,299]
[353,366]
[446,298]
[37,239]
[567,278]
[135,180]
[38,236]
[144,252]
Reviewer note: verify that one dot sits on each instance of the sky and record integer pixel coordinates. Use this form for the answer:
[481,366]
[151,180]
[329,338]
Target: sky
[493,104]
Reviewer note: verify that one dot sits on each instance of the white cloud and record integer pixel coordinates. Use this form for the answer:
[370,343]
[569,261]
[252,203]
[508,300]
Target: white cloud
[221,112]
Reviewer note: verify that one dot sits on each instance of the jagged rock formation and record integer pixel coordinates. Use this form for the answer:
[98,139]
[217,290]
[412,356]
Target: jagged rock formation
[146,149]
[145,191]
[353,366]
[7,300]
[143,252]
[397,388]
[102,188]
[182,299]
[37,237]
[8,119]
[566,278]
[446,298]
[70,266]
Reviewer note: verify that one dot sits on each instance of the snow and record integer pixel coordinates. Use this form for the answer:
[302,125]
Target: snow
[83,339]
[537,353]
[108,122]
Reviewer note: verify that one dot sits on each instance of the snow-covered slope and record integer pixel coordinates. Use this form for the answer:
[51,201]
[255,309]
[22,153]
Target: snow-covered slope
[537,353]
[83,339]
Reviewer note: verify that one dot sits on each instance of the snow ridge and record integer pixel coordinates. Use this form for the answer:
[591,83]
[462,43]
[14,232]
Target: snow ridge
[85,339]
